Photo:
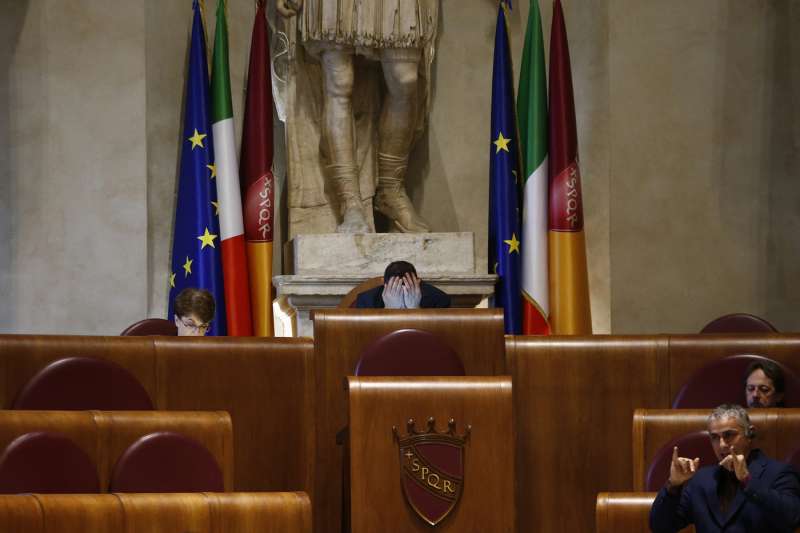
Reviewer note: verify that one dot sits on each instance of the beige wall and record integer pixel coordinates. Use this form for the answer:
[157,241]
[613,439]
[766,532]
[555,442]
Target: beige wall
[72,131]
[688,139]
[704,193]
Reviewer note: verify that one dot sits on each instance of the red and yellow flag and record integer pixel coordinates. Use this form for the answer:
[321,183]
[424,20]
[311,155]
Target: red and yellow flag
[257,179]
[570,312]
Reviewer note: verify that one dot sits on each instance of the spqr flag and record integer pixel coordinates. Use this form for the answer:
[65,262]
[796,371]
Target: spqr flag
[570,312]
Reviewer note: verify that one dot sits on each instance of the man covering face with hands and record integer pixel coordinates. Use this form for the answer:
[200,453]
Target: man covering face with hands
[745,491]
[402,289]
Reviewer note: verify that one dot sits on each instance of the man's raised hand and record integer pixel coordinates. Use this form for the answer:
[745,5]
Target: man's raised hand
[681,469]
[736,464]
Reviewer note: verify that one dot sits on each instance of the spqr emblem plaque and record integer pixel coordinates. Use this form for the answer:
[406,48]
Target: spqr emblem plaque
[432,469]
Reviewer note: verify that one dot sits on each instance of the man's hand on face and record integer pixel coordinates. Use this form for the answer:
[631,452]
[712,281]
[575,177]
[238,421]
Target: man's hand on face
[412,294]
[681,469]
[393,293]
[288,8]
[736,464]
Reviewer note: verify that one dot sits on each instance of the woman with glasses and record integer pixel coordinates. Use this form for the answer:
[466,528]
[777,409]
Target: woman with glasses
[194,309]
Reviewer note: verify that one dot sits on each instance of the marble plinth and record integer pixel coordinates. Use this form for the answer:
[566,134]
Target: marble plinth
[368,254]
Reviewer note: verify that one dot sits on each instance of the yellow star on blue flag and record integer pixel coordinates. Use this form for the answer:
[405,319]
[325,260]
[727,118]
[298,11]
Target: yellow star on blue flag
[513,244]
[501,143]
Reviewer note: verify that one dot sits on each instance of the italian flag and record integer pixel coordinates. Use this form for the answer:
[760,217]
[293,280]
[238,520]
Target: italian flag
[532,111]
[257,177]
[570,313]
[234,258]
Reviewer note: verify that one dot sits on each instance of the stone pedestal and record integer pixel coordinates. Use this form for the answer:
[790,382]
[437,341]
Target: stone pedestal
[324,268]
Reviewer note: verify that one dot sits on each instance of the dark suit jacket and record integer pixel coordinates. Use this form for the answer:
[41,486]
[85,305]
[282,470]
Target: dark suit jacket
[770,502]
[431,297]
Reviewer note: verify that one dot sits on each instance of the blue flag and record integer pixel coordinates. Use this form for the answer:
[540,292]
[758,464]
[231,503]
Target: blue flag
[504,207]
[196,243]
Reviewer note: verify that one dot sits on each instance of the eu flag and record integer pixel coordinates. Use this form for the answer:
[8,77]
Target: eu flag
[504,214]
[196,243]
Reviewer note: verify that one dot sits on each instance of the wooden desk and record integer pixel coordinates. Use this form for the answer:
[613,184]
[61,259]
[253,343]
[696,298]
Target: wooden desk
[574,400]
[340,335]
[377,465]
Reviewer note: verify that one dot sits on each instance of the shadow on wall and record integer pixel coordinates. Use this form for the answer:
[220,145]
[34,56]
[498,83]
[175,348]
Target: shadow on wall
[419,177]
[10,29]
[780,168]
[755,160]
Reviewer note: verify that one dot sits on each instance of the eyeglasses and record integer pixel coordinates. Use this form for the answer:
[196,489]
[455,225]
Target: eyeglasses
[194,327]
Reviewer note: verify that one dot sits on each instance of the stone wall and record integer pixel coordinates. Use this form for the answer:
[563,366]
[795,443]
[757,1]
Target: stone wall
[688,139]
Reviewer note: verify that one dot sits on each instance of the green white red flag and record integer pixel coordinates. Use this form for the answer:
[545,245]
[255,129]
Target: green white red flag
[234,258]
[532,120]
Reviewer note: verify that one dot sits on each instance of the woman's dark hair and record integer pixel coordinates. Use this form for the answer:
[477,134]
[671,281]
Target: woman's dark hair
[193,301]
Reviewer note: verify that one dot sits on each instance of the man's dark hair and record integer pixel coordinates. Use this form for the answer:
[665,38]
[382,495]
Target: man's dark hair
[398,268]
[771,370]
[198,302]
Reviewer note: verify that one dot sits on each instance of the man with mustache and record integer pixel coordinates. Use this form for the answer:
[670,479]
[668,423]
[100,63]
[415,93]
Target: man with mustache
[764,384]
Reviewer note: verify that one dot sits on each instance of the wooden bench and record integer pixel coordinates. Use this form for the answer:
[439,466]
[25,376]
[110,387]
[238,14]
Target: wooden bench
[263,383]
[625,512]
[574,399]
[777,433]
[156,513]
[105,435]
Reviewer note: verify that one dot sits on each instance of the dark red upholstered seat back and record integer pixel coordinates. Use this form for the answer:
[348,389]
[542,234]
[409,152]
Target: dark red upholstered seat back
[166,462]
[739,323]
[409,352]
[45,462]
[83,383]
[151,326]
[691,445]
[722,381]
[794,459]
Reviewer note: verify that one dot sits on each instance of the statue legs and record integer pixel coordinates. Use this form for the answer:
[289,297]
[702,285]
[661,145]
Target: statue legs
[338,135]
[396,131]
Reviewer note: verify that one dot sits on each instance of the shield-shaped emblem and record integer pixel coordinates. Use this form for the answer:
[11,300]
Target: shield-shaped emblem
[432,469]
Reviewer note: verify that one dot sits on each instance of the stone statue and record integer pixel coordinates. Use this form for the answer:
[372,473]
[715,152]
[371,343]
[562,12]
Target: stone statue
[356,158]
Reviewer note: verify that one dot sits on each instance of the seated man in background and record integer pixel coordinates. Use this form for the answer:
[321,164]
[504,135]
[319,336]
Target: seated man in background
[764,384]
[746,491]
[194,309]
[402,289]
